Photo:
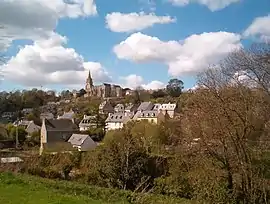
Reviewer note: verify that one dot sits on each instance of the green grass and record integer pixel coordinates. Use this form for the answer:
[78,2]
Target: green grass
[25,189]
[14,191]
[16,194]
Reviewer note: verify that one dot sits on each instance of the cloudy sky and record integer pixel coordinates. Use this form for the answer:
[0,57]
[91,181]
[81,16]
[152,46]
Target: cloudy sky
[52,43]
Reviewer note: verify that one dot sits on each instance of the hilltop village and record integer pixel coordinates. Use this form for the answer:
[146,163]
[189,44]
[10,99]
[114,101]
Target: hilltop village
[209,144]
[88,114]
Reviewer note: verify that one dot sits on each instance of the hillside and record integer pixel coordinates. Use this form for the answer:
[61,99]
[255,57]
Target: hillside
[16,189]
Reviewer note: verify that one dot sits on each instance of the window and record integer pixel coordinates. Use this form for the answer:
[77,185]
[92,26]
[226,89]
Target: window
[120,117]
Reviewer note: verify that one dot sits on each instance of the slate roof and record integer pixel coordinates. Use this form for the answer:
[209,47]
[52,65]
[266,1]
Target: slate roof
[60,125]
[117,117]
[145,106]
[157,106]
[78,139]
[87,120]
[131,107]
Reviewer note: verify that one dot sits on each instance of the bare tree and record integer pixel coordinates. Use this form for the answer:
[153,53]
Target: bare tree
[251,65]
[231,121]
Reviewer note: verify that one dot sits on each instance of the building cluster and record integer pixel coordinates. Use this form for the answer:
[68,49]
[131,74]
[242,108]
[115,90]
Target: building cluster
[104,90]
[64,131]
[151,112]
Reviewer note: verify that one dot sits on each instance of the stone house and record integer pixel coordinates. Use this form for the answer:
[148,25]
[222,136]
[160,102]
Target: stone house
[29,126]
[151,116]
[88,122]
[169,108]
[105,107]
[82,142]
[116,121]
[55,131]
[119,108]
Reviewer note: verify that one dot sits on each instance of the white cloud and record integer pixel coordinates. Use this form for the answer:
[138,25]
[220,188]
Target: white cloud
[47,62]
[36,19]
[259,27]
[189,56]
[153,85]
[213,5]
[133,81]
[130,22]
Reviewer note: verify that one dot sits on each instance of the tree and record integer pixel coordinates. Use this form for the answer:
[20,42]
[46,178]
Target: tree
[21,133]
[175,87]
[158,94]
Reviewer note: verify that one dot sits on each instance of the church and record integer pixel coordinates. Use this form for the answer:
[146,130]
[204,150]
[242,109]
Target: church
[102,91]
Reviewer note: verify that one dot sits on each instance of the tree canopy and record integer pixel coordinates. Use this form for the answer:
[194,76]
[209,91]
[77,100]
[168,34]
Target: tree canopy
[175,87]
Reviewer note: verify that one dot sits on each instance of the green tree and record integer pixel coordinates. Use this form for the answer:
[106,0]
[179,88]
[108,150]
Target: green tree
[158,94]
[21,134]
[175,87]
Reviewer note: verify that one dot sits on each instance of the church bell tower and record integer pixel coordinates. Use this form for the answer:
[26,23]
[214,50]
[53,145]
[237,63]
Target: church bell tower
[89,87]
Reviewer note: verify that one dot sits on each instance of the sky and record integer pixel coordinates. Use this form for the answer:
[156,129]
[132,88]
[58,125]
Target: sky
[51,44]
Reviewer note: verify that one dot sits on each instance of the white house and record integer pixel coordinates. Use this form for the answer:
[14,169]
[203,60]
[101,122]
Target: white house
[82,142]
[168,108]
[119,108]
[87,122]
[116,121]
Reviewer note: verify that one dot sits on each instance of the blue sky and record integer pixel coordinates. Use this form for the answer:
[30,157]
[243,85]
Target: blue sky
[202,34]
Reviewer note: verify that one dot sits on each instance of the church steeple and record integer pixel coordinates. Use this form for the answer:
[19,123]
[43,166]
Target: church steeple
[89,79]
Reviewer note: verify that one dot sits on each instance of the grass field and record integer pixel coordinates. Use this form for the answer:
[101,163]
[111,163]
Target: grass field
[24,189]
[16,192]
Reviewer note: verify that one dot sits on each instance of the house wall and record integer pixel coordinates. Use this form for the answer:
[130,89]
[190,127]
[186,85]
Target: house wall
[150,120]
[169,112]
[43,134]
[58,136]
[84,128]
[114,125]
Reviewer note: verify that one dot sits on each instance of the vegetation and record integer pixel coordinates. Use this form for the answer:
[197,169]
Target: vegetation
[175,87]
[217,151]
[30,190]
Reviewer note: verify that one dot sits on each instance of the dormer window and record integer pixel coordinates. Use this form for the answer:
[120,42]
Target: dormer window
[112,117]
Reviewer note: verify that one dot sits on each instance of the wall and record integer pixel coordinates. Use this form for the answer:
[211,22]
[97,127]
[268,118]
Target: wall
[114,126]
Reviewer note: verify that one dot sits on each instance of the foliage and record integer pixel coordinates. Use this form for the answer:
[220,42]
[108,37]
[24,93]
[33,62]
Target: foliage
[175,87]
[97,134]
[33,140]
[16,101]
[158,94]
[122,162]
[21,133]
